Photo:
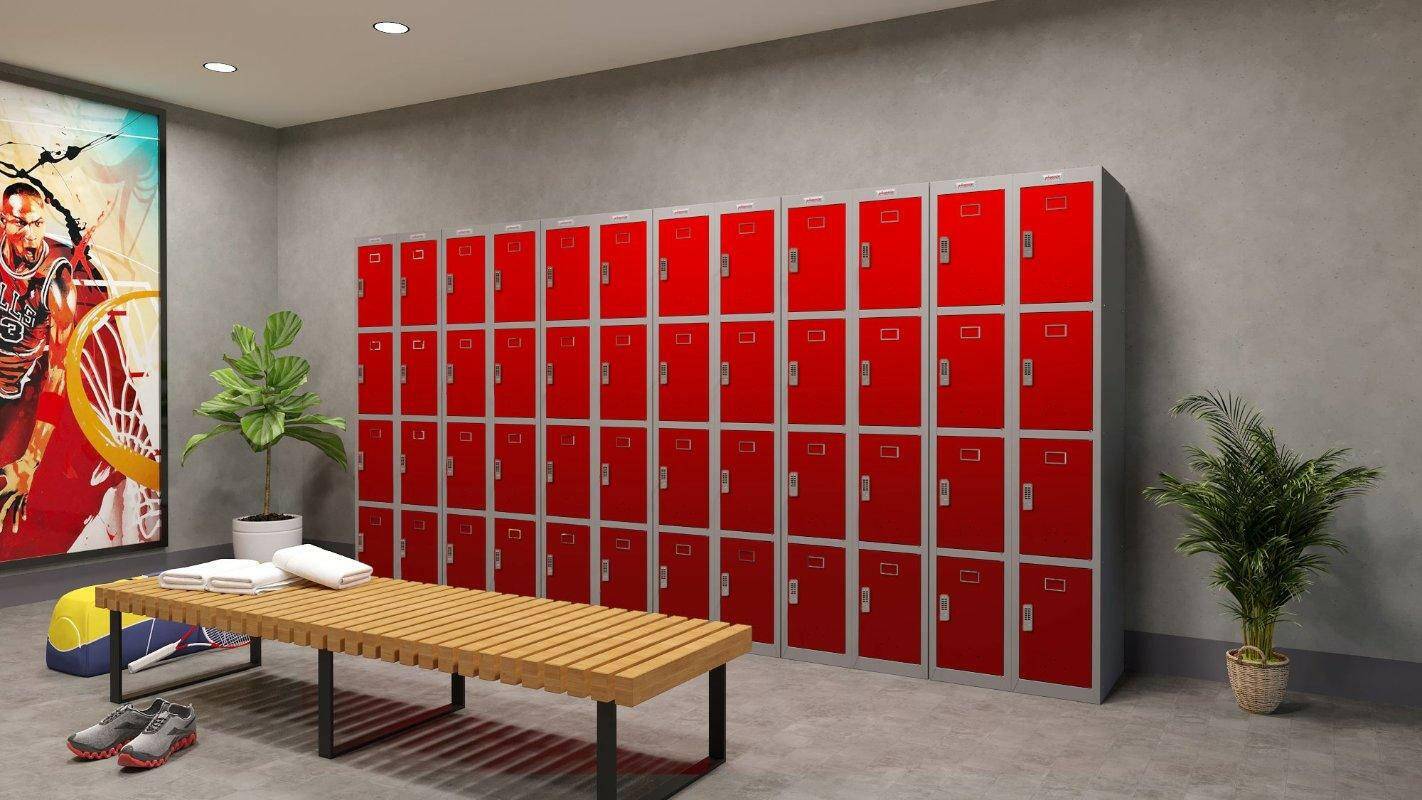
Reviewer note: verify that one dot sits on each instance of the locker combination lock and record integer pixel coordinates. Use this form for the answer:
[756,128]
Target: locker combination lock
[945,372]
[402,548]
[548,277]
[793,373]
[449,373]
[794,592]
[360,287]
[1027,244]
[498,469]
[360,373]
[1027,371]
[606,475]
[548,374]
[942,608]
[360,542]
[864,255]
[662,372]
[661,477]
[864,599]
[945,497]
[449,553]
[725,373]
[360,460]
[794,485]
[943,251]
[661,269]
[404,373]
[498,559]
[548,472]
[548,565]
[725,584]
[449,283]
[1027,493]
[725,265]
[1026,617]
[498,280]
[402,463]
[864,373]
[793,261]
[662,576]
[498,372]
[404,287]
[606,273]
[606,377]
[863,488]
[606,570]
[449,466]
[725,481]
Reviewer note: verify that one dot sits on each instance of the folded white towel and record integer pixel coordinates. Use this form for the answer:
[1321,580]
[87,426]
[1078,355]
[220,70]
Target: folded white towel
[197,576]
[322,566]
[254,579]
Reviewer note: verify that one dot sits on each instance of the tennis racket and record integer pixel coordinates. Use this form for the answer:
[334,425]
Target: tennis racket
[194,640]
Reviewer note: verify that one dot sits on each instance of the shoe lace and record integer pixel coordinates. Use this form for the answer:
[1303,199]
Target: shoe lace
[157,723]
[115,714]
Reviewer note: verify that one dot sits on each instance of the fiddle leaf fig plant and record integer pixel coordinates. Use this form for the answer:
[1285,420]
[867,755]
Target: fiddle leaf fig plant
[259,399]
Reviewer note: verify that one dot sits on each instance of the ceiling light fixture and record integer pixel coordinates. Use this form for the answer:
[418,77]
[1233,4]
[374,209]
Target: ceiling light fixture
[390,27]
[218,66]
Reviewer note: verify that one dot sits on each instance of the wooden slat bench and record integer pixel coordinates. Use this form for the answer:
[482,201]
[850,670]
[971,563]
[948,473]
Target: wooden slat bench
[615,657]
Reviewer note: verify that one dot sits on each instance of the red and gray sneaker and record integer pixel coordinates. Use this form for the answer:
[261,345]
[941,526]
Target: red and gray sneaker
[172,730]
[105,739]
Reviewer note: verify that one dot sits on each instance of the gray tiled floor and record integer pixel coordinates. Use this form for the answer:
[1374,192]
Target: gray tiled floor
[796,731]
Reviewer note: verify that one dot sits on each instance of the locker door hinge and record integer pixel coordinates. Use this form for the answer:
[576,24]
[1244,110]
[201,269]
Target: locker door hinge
[1027,371]
[942,608]
[548,565]
[662,576]
[793,487]
[1027,244]
[661,477]
[402,463]
[943,252]
[945,497]
[863,488]
[360,460]
[360,287]
[360,373]
[792,373]
[1026,617]
[725,373]
[662,373]
[548,472]
[606,377]
[725,584]
[864,599]
[404,286]
[404,373]
[864,373]
[725,481]
[1027,493]
[793,261]
[498,559]
[498,372]
[449,283]
[548,373]
[449,553]
[725,265]
[606,570]
[606,273]
[402,548]
[606,475]
[498,280]
[449,373]
[498,469]
[793,592]
[864,255]
[449,466]
[548,277]
[945,372]
[661,269]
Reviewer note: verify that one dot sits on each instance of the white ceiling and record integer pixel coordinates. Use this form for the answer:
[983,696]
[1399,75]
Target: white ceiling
[307,60]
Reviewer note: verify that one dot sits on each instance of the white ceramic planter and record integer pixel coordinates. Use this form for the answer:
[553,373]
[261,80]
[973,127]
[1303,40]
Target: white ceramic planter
[259,540]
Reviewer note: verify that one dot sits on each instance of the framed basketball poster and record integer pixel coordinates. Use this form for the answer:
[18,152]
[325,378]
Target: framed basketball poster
[81,323]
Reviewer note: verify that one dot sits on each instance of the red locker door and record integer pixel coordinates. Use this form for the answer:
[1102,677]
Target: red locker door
[890,606]
[814,260]
[1055,502]
[375,367]
[419,373]
[889,370]
[815,486]
[968,493]
[464,373]
[419,463]
[515,276]
[622,273]
[419,283]
[419,546]
[748,481]
[622,375]
[748,262]
[464,465]
[464,551]
[374,460]
[814,374]
[565,375]
[1056,243]
[683,253]
[623,474]
[565,277]
[375,540]
[971,230]
[514,382]
[515,469]
[814,598]
[748,585]
[623,572]
[515,557]
[566,470]
[747,374]
[890,489]
[682,477]
[464,280]
[1054,625]
[567,564]
[1056,371]
[890,253]
[968,613]
[374,305]
[970,371]
[683,575]
[682,391]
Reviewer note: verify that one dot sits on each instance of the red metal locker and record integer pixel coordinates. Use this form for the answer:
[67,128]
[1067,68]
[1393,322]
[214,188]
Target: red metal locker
[890,606]
[747,481]
[464,280]
[567,563]
[419,373]
[515,469]
[375,458]
[968,493]
[419,463]
[1055,498]
[419,283]
[969,254]
[891,253]
[419,546]
[683,255]
[1056,371]
[814,374]
[622,273]
[814,260]
[375,359]
[375,540]
[890,489]
[515,276]
[748,262]
[969,614]
[1056,249]
[969,376]
[683,481]
[623,572]
[565,277]
[515,557]
[684,575]
[565,373]
[747,585]
[464,465]
[622,374]
[815,485]
[374,305]
[565,472]
[1054,625]
[515,384]
[464,551]
[464,373]
[747,375]
[623,474]
[814,598]
[683,392]
[890,367]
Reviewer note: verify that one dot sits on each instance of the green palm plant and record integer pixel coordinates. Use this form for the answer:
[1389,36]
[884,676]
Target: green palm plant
[1260,509]
[259,398]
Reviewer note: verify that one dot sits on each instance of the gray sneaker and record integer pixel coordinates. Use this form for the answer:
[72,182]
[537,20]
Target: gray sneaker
[169,732]
[114,731]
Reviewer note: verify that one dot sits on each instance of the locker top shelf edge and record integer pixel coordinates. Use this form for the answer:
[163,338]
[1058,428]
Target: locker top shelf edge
[601,218]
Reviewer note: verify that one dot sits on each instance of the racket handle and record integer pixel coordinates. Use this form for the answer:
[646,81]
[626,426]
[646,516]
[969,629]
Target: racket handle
[144,662]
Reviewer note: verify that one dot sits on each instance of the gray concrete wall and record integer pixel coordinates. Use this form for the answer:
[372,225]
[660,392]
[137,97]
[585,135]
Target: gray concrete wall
[1269,148]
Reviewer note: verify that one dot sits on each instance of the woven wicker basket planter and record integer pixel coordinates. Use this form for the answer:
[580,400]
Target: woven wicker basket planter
[1258,688]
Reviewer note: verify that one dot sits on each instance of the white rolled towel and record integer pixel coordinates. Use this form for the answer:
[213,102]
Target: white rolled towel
[254,579]
[197,576]
[322,566]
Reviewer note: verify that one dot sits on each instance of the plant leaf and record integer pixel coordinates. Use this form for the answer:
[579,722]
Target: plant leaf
[198,438]
[245,338]
[325,441]
[287,372]
[228,402]
[318,419]
[224,416]
[281,330]
[263,428]
[246,364]
[231,379]
[296,404]
[263,359]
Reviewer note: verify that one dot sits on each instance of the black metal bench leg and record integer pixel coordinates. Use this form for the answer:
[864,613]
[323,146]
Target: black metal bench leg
[456,690]
[607,751]
[326,744]
[117,665]
[717,751]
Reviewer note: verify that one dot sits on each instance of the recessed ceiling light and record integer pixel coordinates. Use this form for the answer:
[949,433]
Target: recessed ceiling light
[218,66]
[387,26]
